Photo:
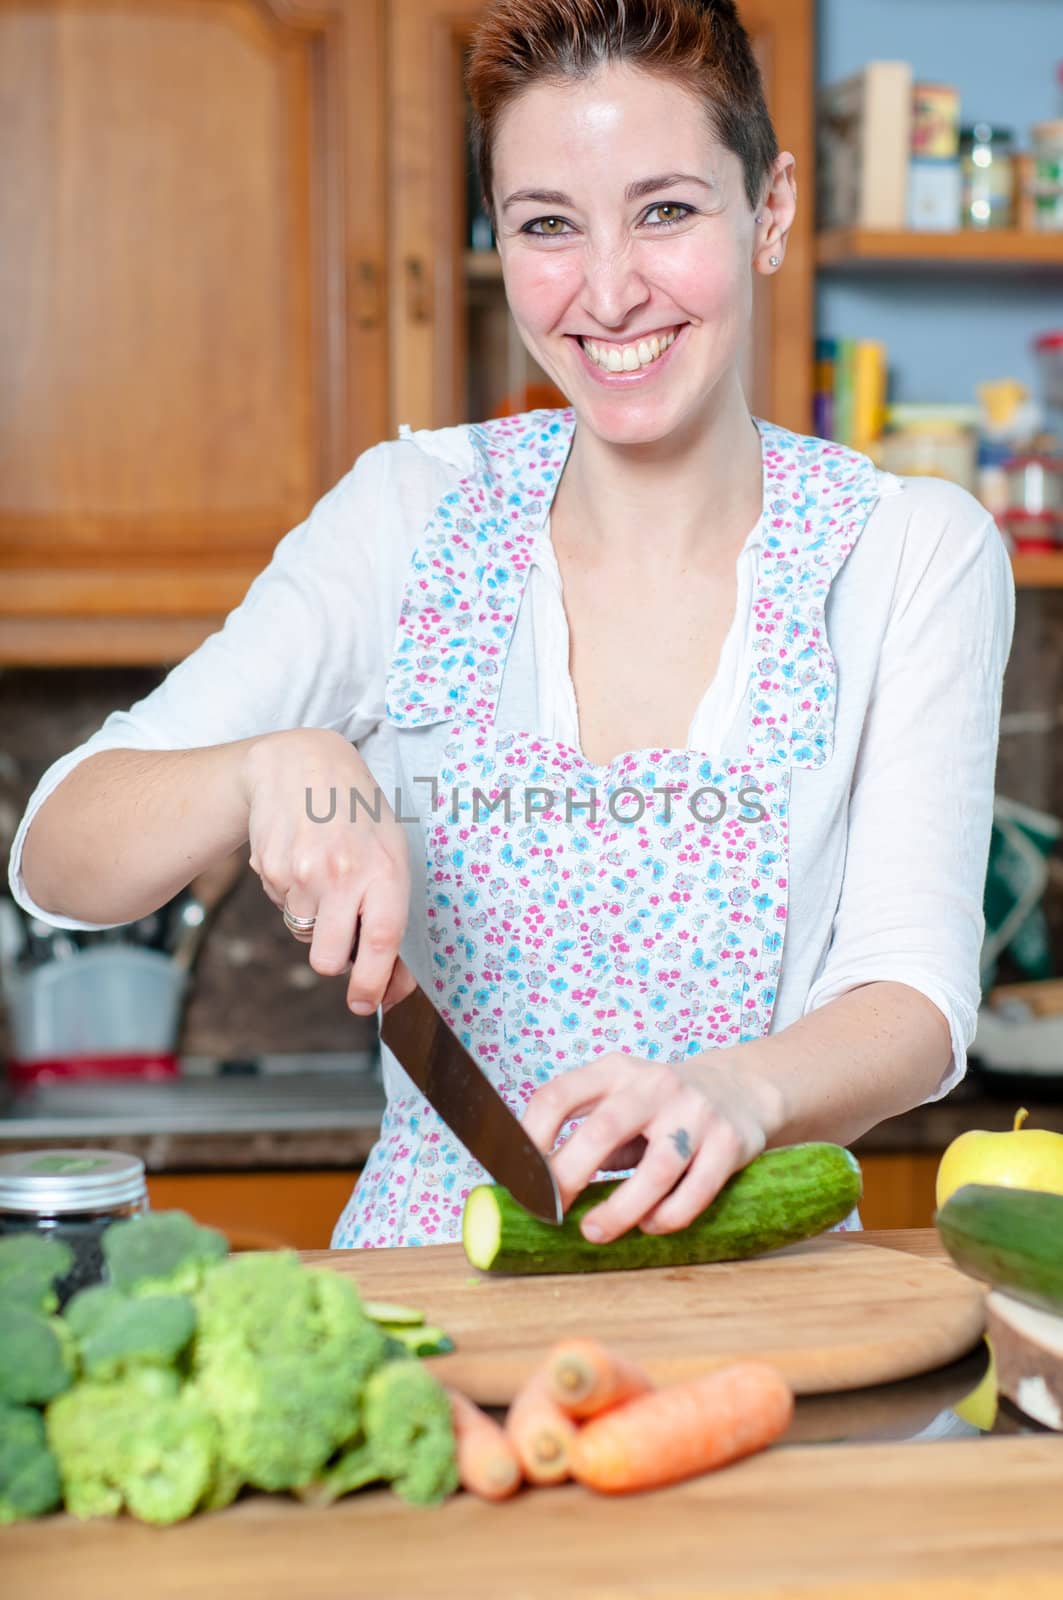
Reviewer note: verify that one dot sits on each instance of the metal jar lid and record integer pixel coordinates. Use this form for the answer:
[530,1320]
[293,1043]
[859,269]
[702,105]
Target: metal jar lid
[49,1182]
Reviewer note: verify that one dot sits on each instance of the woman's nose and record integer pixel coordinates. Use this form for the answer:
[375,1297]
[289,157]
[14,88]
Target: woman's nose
[612,288]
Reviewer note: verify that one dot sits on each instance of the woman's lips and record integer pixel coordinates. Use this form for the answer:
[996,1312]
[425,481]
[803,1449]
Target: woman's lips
[624,380]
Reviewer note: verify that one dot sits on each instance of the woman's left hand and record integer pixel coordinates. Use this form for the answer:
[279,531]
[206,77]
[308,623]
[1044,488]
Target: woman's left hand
[689,1126]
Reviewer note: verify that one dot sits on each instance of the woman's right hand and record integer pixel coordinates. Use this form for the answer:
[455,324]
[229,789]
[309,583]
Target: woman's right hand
[351,876]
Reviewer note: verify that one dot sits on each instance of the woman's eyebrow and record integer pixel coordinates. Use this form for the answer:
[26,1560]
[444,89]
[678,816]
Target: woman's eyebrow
[634,191]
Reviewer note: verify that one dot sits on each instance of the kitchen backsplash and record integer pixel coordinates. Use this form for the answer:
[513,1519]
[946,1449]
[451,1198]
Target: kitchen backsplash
[254,991]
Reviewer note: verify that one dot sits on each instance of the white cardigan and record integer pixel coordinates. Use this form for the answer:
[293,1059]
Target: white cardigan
[888,841]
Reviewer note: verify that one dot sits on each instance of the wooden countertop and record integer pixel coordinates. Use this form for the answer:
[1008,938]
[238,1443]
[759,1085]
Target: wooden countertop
[953,1520]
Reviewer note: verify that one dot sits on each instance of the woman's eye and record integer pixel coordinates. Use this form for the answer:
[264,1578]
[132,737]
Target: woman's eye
[545,227]
[678,213]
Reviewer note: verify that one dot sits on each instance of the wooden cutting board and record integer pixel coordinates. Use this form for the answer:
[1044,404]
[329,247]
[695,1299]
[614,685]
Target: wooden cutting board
[832,1314]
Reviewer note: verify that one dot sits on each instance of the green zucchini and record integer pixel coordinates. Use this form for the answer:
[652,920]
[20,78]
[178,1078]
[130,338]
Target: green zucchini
[781,1197]
[1011,1238]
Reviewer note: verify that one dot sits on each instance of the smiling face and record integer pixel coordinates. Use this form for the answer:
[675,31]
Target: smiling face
[627,244]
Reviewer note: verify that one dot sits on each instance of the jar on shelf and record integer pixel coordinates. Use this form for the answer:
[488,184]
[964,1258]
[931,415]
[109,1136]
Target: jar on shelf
[1047,177]
[987,166]
[928,441]
[1049,351]
[1035,484]
[71,1196]
[1032,533]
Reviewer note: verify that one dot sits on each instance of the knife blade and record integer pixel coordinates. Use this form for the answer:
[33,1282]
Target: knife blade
[469,1104]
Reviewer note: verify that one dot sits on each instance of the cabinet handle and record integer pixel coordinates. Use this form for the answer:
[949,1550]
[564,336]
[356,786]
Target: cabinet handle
[365,296]
[417,300]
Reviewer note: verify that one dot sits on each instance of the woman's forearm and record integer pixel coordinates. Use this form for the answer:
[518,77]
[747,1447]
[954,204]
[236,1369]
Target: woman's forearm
[870,1054]
[127,829]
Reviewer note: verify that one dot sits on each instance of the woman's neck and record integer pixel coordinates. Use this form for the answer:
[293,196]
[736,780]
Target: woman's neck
[683,497]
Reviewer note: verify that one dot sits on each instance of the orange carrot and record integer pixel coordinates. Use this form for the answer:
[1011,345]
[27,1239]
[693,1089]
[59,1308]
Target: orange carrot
[487,1461]
[683,1430]
[541,1433]
[586,1378]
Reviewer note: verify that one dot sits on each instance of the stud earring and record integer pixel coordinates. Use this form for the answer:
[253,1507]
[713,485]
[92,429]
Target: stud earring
[773,261]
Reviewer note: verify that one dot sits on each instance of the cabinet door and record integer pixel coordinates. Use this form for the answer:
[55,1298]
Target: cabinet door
[455,354]
[259,1210]
[192,334]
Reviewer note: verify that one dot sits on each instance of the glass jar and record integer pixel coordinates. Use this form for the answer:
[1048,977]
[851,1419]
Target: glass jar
[72,1196]
[987,164]
[1035,484]
[928,441]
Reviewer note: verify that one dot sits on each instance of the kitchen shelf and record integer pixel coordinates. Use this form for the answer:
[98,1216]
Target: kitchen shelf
[1038,572]
[483,266]
[866,248]
[863,249]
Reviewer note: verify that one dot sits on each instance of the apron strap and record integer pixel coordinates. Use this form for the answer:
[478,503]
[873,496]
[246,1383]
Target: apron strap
[817,499]
[469,571]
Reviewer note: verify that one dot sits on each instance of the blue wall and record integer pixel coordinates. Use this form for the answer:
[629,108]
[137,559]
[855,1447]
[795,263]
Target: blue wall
[946,333]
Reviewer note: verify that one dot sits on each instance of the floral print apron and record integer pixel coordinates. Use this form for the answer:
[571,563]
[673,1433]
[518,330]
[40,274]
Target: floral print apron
[574,909]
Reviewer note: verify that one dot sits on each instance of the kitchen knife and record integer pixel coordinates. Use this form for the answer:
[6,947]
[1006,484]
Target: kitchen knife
[471,1107]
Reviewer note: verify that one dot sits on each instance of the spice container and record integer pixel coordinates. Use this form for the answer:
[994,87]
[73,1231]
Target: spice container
[1032,533]
[1049,351]
[71,1196]
[1035,484]
[1047,176]
[987,166]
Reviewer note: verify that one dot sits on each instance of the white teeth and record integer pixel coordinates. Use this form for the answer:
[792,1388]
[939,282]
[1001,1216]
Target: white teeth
[631,357]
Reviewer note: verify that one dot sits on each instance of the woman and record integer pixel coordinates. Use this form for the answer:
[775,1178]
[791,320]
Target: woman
[654,682]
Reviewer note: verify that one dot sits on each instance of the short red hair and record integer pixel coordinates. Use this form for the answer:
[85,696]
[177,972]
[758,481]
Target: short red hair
[698,44]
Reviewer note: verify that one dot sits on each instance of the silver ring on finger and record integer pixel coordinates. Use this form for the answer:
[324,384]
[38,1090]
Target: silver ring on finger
[301,928]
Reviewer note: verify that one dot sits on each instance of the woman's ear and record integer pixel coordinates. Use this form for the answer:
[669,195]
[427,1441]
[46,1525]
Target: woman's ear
[775,215]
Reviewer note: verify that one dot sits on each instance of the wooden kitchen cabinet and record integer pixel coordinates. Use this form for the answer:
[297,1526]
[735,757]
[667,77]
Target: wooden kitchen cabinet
[204,317]
[259,1210]
[192,322]
[298,1210]
[899,1189]
[454,351]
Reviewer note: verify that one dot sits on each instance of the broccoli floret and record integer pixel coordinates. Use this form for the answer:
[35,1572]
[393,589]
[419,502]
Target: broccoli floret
[407,1440]
[353,1468]
[164,1252]
[279,1417]
[29,1477]
[29,1268]
[140,1444]
[149,1332]
[269,1304]
[35,1359]
[410,1433]
[91,1307]
[280,1358]
[226,1486]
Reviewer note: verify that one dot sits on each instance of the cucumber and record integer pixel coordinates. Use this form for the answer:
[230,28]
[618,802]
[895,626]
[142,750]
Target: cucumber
[781,1197]
[390,1315]
[1011,1238]
[427,1341]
